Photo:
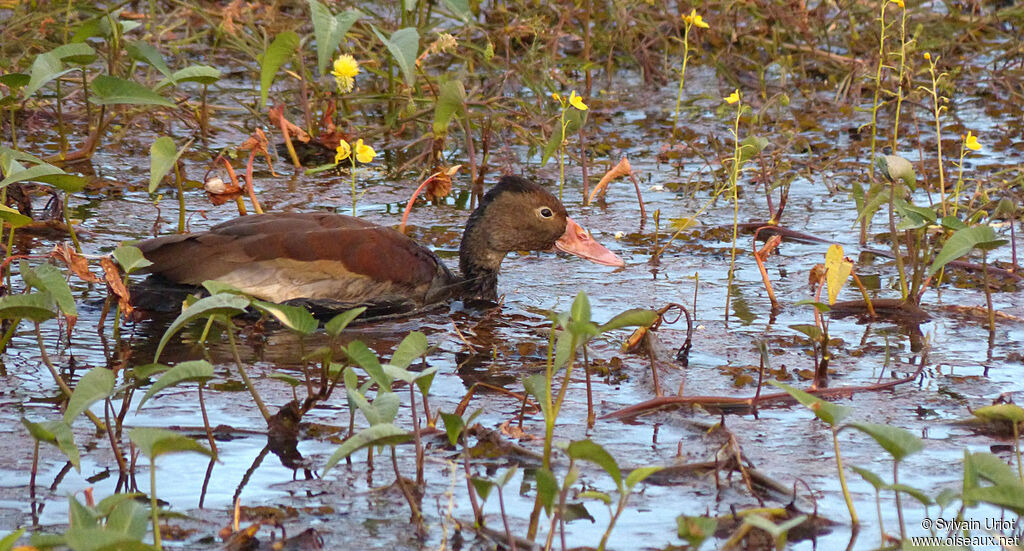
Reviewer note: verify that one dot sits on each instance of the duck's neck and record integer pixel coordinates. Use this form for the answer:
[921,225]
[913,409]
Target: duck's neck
[478,262]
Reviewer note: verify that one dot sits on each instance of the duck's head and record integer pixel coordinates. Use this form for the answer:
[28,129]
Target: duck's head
[518,215]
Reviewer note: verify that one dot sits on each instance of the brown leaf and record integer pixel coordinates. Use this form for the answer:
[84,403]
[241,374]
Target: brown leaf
[115,285]
[515,431]
[440,183]
[75,262]
[769,247]
[276,114]
[618,171]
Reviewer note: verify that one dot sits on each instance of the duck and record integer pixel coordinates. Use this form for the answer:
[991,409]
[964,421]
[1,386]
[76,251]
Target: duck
[338,261]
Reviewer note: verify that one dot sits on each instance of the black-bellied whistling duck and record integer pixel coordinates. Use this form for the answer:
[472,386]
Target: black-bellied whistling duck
[346,261]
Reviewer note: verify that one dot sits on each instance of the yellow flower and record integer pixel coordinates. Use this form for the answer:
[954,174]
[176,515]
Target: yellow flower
[899,3]
[971,142]
[734,97]
[555,96]
[345,70]
[364,153]
[342,152]
[694,19]
[928,56]
[577,101]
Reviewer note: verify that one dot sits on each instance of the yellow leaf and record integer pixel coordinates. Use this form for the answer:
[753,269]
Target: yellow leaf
[837,271]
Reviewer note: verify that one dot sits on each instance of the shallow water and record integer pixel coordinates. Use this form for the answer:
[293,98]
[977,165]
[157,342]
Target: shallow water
[965,366]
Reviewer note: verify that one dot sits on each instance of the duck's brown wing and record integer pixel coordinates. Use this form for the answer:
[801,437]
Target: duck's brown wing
[281,257]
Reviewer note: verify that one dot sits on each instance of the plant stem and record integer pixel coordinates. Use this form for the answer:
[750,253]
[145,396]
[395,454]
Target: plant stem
[734,180]
[842,478]
[153,505]
[241,370]
[893,237]
[682,77]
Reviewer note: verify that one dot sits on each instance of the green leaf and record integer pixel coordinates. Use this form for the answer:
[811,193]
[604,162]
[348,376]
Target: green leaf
[49,279]
[870,477]
[894,167]
[547,488]
[377,435]
[31,173]
[898,442]
[129,518]
[381,411]
[365,358]
[7,542]
[913,492]
[405,375]
[202,74]
[821,307]
[1003,495]
[453,426]
[404,46]
[57,433]
[156,442]
[70,183]
[952,223]
[108,90]
[482,486]
[130,258]
[630,318]
[696,529]
[295,318]
[147,53]
[33,306]
[412,346]
[341,321]
[81,516]
[282,48]
[587,450]
[638,475]
[573,121]
[507,475]
[751,146]
[77,53]
[451,101]
[288,379]
[215,287]
[989,467]
[143,372]
[593,494]
[537,385]
[329,30]
[580,310]
[828,412]
[15,80]
[46,67]
[228,305]
[95,385]
[191,371]
[962,242]
[812,331]
[13,217]
[460,8]
[162,157]
[1010,413]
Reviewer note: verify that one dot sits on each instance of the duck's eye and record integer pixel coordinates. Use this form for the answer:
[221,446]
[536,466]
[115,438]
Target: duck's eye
[545,212]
